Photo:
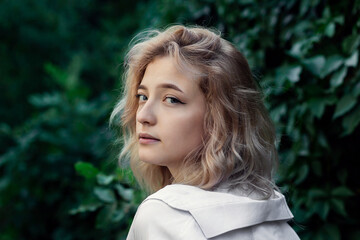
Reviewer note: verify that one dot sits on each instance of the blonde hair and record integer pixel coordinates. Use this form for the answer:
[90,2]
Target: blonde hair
[239,145]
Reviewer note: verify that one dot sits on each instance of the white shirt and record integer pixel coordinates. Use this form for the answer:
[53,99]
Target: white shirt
[187,212]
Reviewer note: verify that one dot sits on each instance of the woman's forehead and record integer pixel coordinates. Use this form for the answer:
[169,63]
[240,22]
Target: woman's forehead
[168,70]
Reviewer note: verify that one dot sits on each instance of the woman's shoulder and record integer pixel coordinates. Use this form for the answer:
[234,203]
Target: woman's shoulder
[220,212]
[186,197]
[177,209]
[155,219]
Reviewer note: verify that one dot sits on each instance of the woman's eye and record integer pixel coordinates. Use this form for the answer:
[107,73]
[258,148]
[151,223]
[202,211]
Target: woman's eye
[172,100]
[141,97]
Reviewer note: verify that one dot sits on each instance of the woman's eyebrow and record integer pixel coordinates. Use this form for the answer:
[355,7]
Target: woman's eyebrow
[142,87]
[171,86]
[163,85]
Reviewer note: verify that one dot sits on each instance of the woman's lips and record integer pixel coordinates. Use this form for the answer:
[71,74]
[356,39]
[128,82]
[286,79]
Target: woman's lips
[145,138]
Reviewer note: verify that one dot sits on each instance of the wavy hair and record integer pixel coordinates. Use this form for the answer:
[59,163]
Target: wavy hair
[239,145]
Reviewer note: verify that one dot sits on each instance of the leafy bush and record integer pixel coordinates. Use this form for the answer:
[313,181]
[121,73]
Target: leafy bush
[57,92]
[57,165]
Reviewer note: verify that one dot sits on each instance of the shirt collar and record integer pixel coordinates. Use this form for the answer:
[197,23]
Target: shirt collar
[219,212]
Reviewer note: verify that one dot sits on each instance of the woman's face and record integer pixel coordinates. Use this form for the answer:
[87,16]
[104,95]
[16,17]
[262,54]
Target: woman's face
[171,110]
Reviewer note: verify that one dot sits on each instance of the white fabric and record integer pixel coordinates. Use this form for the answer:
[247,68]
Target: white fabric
[187,212]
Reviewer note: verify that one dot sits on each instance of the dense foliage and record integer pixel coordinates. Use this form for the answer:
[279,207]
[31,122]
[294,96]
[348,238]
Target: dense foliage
[59,68]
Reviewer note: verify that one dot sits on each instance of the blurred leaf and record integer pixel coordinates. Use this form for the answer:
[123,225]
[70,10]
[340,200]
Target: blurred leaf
[356,90]
[118,215]
[322,209]
[351,121]
[330,29]
[103,179]
[74,69]
[332,63]
[338,78]
[85,208]
[315,65]
[353,60]
[105,194]
[125,193]
[46,99]
[86,170]
[278,112]
[317,105]
[338,206]
[301,48]
[342,192]
[302,173]
[294,74]
[315,193]
[57,74]
[291,73]
[104,217]
[350,43]
[345,104]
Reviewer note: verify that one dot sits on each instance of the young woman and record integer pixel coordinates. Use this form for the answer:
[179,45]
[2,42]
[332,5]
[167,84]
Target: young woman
[200,139]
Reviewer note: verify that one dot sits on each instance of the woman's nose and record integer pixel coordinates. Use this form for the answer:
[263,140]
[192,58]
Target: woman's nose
[146,114]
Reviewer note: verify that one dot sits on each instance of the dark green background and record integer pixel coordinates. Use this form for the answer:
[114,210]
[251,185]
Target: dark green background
[60,70]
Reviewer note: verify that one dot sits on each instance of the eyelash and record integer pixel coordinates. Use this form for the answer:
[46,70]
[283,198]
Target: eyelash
[177,101]
[139,95]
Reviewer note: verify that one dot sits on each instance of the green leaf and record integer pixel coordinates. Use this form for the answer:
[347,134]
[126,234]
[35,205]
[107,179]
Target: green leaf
[104,217]
[353,60]
[302,173]
[74,70]
[317,105]
[118,215]
[315,193]
[342,192]
[86,170]
[301,48]
[103,179]
[322,209]
[339,206]
[278,112]
[351,121]
[58,75]
[330,29]
[46,99]
[85,208]
[294,74]
[290,72]
[105,194]
[338,78]
[315,64]
[351,43]
[332,63]
[345,104]
[356,90]
[125,193]
[322,140]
